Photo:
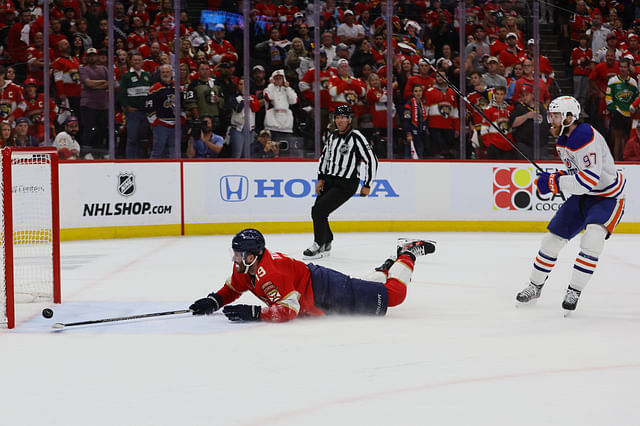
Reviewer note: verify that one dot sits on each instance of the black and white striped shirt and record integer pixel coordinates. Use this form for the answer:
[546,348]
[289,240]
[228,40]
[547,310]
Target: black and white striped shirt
[342,156]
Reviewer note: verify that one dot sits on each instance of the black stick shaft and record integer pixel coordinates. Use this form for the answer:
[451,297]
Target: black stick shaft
[479,111]
[60,325]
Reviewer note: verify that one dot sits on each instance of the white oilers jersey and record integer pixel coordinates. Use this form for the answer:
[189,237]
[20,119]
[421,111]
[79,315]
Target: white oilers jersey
[590,166]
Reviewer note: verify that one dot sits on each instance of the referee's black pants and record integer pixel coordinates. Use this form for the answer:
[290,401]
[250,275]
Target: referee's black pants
[336,192]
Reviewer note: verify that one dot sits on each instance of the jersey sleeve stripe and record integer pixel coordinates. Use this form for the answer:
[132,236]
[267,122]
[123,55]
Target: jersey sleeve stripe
[588,187]
[591,173]
[615,191]
[583,176]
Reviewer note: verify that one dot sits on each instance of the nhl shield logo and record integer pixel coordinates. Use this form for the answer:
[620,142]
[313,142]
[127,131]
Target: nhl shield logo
[126,184]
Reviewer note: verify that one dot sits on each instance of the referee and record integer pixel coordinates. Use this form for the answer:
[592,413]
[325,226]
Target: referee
[339,174]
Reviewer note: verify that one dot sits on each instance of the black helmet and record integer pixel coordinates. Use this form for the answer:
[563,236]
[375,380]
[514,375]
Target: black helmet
[249,241]
[343,110]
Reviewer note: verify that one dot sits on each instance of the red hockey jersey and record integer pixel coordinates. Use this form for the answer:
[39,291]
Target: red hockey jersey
[283,283]
[500,116]
[66,74]
[443,109]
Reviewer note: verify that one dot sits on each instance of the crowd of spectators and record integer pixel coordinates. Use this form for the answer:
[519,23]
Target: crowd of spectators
[599,40]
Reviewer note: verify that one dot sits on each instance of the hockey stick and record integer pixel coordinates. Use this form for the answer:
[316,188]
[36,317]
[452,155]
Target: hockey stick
[61,326]
[479,111]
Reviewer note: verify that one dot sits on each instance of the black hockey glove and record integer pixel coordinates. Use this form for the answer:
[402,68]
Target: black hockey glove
[207,305]
[242,312]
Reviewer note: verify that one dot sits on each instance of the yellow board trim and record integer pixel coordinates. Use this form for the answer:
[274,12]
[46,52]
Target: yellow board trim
[307,227]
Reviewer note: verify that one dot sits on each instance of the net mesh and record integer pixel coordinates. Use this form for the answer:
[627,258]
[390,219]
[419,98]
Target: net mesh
[32,229]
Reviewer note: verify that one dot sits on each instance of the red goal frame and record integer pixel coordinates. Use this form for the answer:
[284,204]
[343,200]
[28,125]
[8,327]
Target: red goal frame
[7,194]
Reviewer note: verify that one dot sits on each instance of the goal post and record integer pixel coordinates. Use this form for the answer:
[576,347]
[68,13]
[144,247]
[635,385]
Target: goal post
[30,225]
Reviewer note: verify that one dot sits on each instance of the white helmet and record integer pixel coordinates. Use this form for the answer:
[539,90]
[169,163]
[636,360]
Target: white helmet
[564,105]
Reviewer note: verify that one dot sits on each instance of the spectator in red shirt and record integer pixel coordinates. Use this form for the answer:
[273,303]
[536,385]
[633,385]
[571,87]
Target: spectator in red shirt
[422,78]
[598,81]
[632,147]
[137,37]
[581,63]
[19,39]
[67,77]
[153,61]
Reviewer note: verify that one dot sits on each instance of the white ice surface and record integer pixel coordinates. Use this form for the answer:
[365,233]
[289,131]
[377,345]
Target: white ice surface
[457,352]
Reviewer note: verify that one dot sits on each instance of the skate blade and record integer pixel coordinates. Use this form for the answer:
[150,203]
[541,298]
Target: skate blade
[317,256]
[529,304]
[567,313]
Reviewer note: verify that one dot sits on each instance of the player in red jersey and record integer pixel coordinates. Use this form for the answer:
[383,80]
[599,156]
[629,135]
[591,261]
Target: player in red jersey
[291,288]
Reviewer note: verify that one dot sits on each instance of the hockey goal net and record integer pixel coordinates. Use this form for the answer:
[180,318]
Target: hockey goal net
[30,234]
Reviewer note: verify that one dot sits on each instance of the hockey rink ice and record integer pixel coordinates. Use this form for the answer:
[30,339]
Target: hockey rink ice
[457,352]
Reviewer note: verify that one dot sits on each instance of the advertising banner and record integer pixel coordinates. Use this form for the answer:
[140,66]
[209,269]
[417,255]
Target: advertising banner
[119,194]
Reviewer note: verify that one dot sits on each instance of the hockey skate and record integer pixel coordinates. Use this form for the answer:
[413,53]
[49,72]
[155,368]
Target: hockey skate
[570,300]
[529,294]
[415,248]
[387,264]
[316,251]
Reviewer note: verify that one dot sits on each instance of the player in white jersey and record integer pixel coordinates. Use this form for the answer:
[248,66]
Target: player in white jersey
[595,203]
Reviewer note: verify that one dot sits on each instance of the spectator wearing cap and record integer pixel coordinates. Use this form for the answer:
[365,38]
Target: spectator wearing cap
[203,96]
[349,32]
[345,89]
[160,107]
[12,103]
[65,141]
[279,97]
[35,110]
[306,88]
[273,51]
[491,78]
[134,86]
[612,44]
[291,29]
[342,52]
[477,48]
[423,78]
[412,37]
[66,74]
[525,115]
[22,136]
[597,33]
[264,147]
[221,50]
[512,54]
[581,64]
[633,50]
[93,104]
[622,90]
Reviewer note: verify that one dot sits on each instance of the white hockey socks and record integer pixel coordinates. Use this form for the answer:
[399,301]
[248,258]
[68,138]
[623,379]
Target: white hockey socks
[546,258]
[591,246]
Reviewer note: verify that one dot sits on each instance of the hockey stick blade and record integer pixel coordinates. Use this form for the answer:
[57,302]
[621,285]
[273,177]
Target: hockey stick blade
[62,326]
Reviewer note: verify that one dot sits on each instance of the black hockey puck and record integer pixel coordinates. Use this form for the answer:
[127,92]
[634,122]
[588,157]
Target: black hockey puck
[47,313]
